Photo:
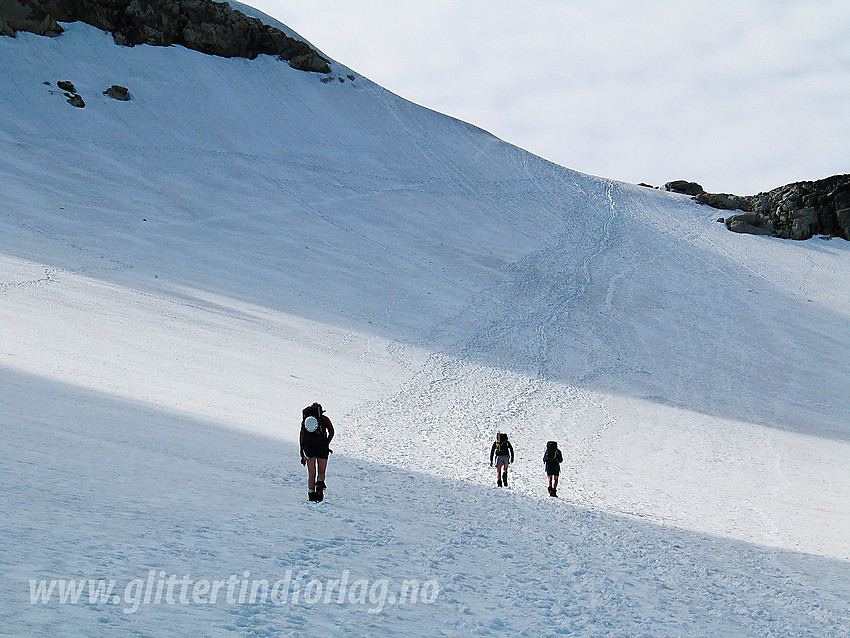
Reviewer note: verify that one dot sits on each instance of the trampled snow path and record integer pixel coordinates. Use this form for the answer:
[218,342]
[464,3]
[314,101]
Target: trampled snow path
[181,273]
[565,337]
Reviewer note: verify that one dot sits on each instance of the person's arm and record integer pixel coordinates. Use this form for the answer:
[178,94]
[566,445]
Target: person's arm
[492,452]
[301,447]
[511,450]
[559,457]
[329,428]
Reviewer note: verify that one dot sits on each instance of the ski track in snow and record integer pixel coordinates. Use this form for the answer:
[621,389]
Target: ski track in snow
[180,274]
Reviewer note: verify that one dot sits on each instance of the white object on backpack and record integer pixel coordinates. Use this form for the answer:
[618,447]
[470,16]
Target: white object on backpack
[311,424]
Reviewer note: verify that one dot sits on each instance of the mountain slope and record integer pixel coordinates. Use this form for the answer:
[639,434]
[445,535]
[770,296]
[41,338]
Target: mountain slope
[241,239]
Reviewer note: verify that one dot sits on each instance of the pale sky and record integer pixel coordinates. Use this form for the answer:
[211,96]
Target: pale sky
[741,96]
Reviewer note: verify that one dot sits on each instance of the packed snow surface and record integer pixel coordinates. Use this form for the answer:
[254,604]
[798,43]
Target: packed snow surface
[181,273]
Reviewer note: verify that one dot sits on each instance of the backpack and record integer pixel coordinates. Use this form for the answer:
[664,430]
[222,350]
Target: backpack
[314,410]
[551,454]
[502,445]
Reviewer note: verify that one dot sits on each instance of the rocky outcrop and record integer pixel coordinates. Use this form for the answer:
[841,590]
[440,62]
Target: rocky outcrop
[120,93]
[5,29]
[17,16]
[794,211]
[203,25]
[75,99]
[682,186]
[725,201]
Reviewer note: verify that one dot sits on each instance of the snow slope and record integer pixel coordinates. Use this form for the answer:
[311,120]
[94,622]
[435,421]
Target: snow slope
[181,273]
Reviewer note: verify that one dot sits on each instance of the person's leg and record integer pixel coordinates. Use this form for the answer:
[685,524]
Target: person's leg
[322,466]
[499,475]
[555,481]
[505,475]
[311,475]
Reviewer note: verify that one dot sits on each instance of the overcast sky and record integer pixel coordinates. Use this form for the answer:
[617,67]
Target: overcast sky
[741,96]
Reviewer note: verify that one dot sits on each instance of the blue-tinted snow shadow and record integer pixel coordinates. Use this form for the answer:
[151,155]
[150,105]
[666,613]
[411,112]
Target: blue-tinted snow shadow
[97,486]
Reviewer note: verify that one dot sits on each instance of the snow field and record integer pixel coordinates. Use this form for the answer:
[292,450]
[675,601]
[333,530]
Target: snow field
[181,273]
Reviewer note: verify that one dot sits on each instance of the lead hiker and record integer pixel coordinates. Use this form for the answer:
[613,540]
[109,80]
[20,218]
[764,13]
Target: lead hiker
[316,434]
[552,458]
[503,452]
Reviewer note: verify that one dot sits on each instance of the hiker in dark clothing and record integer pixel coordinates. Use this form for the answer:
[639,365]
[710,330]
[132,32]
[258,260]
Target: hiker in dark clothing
[552,458]
[316,434]
[503,452]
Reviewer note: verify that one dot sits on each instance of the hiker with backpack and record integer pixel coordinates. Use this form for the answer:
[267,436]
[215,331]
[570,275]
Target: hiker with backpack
[552,459]
[503,452]
[316,434]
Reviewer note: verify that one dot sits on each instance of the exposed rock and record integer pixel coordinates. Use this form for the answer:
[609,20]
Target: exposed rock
[5,29]
[841,201]
[65,85]
[203,25]
[49,27]
[75,100]
[683,187]
[750,223]
[19,15]
[311,63]
[117,92]
[723,201]
[843,220]
[794,211]
[804,223]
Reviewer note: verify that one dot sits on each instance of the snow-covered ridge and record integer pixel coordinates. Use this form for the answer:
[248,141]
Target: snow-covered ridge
[215,28]
[181,273]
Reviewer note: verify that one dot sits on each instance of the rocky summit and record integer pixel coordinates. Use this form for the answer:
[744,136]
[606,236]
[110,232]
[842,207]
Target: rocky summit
[794,211]
[210,27]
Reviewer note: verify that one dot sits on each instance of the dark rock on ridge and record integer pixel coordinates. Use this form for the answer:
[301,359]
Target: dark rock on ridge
[75,99]
[802,209]
[5,29]
[724,201]
[202,25]
[794,211]
[750,223]
[682,186]
[117,92]
[17,16]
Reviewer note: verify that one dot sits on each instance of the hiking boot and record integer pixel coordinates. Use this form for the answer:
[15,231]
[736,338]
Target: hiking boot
[505,480]
[499,481]
[320,486]
[551,489]
[555,492]
[312,497]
